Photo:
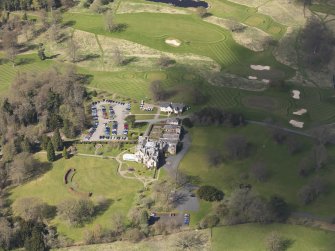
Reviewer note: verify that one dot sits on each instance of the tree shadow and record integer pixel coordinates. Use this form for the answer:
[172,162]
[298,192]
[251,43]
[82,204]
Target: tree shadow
[69,23]
[24,61]
[90,56]
[53,56]
[120,27]
[103,206]
[129,60]
[287,243]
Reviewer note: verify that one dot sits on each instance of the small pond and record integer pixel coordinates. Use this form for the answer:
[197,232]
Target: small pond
[183,3]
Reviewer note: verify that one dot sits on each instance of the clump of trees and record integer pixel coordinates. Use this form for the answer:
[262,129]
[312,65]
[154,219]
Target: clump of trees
[215,116]
[317,44]
[310,192]
[33,209]
[210,193]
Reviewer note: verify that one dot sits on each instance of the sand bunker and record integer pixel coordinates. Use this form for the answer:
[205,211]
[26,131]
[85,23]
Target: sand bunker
[260,67]
[296,94]
[300,112]
[173,42]
[267,81]
[252,77]
[297,124]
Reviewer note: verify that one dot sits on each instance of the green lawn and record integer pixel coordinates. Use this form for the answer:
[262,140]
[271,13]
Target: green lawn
[208,40]
[95,175]
[251,237]
[248,16]
[284,179]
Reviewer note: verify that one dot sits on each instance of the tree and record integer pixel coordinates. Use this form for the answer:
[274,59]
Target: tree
[279,208]
[259,171]
[109,21]
[237,146]
[134,235]
[158,91]
[44,142]
[118,56]
[6,233]
[316,43]
[76,212]
[73,48]
[57,140]
[274,242]
[201,11]
[214,157]
[130,119]
[320,156]
[210,193]
[191,241]
[41,52]
[51,156]
[209,221]
[310,192]
[118,223]
[10,44]
[165,61]
[65,153]
[245,206]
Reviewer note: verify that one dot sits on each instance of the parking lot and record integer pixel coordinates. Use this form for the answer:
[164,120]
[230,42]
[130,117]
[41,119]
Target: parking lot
[108,121]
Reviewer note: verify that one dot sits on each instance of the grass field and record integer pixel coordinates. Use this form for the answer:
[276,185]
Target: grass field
[95,175]
[251,237]
[283,167]
[208,40]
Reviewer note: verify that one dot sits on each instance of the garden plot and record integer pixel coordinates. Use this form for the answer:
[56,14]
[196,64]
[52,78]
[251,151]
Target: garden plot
[249,37]
[132,7]
[300,112]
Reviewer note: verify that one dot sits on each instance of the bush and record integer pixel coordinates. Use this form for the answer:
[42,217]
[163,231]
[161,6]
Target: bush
[209,221]
[210,193]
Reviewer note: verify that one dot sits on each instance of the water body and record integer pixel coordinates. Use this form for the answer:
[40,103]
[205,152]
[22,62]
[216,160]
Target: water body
[183,3]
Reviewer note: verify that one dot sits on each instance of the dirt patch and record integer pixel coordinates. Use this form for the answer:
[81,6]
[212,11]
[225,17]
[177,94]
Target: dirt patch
[260,102]
[130,7]
[249,37]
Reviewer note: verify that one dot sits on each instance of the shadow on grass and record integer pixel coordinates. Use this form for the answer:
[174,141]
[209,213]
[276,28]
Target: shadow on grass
[25,61]
[103,206]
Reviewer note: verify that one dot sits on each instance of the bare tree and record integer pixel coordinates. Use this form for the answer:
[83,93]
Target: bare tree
[118,56]
[259,171]
[214,157]
[237,146]
[32,209]
[274,242]
[191,241]
[73,48]
[165,61]
[320,156]
[109,21]
[10,44]
[201,11]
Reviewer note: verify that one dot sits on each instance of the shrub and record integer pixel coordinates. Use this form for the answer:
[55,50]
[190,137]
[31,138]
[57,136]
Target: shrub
[210,193]
[209,221]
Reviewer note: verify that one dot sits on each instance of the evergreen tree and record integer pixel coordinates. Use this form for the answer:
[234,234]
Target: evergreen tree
[51,152]
[35,242]
[44,142]
[65,153]
[57,141]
